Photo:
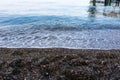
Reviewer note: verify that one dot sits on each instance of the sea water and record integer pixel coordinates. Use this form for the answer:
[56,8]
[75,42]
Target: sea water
[58,23]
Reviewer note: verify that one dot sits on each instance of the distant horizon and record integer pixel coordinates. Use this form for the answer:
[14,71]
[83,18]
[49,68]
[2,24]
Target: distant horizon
[42,6]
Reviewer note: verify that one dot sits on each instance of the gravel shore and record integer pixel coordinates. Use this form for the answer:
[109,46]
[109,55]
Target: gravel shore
[59,64]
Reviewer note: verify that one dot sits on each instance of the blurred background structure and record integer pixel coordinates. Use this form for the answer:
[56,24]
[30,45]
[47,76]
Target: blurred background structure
[106,7]
[106,2]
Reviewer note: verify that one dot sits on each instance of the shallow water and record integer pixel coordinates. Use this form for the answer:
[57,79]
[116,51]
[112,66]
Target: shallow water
[56,23]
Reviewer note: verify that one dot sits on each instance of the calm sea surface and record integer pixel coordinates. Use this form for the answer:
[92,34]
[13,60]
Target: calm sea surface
[59,23]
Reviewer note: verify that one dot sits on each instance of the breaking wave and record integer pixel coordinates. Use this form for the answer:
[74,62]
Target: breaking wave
[59,31]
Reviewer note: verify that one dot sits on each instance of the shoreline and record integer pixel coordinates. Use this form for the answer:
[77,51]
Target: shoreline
[59,64]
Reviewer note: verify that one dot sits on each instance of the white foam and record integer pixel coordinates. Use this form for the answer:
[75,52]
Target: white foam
[87,39]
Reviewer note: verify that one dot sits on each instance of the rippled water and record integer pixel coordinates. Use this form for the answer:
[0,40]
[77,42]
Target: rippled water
[57,23]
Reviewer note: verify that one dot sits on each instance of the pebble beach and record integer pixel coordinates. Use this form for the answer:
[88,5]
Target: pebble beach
[59,64]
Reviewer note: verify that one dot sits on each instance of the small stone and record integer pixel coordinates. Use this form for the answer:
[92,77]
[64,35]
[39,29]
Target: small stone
[17,53]
[1,78]
[119,66]
[102,62]
[1,64]
[17,63]
[16,71]
[72,71]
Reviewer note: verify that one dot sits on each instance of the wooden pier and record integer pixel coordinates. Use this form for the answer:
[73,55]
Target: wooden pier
[106,2]
[113,11]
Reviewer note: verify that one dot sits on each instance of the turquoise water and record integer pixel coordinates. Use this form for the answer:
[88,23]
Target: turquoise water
[56,23]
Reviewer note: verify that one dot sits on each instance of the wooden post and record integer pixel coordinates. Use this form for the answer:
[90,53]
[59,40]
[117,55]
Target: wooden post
[94,2]
[107,2]
[110,2]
